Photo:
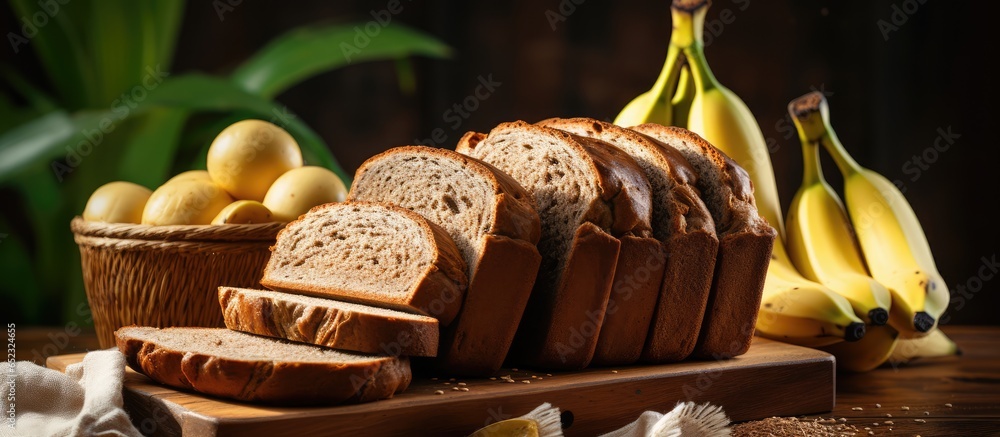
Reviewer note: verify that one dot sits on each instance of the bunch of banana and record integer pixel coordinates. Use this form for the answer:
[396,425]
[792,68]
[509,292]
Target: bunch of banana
[820,239]
[686,94]
[891,239]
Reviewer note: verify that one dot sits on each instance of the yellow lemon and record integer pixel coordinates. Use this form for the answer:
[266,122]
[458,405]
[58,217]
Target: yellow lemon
[191,202]
[243,212]
[298,190]
[191,175]
[117,202]
[249,155]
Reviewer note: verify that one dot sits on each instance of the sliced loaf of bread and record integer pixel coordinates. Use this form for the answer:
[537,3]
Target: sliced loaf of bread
[327,322]
[585,195]
[493,222]
[235,365]
[683,224]
[373,254]
[745,243]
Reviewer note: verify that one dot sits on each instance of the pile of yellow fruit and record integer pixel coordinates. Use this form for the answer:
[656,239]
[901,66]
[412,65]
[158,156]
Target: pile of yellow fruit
[255,175]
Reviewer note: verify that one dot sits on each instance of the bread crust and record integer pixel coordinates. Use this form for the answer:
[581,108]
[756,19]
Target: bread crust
[670,310]
[477,342]
[327,325]
[276,382]
[745,244]
[560,327]
[438,293]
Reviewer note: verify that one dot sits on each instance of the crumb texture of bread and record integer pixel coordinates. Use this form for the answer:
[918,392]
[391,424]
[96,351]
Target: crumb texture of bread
[370,253]
[327,322]
[245,367]
[493,222]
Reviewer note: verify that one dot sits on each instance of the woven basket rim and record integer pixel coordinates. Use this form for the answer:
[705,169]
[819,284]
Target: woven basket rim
[194,233]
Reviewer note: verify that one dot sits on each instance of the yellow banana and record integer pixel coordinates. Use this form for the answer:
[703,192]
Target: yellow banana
[681,103]
[799,311]
[653,106]
[934,344]
[719,116]
[821,242]
[868,353]
[893,243]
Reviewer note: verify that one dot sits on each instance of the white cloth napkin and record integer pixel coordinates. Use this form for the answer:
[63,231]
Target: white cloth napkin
[687,419]
[85,401]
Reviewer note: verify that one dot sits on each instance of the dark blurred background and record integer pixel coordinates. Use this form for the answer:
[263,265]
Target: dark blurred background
[896,74]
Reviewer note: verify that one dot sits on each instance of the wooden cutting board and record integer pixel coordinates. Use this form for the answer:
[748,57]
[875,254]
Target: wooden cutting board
[772,379]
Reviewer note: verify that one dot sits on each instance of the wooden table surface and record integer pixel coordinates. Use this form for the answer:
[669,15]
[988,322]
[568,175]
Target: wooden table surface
[970,383]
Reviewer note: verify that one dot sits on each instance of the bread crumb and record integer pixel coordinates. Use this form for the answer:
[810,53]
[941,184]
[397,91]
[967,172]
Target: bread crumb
[905,408]
[464,389]
[948,405]
[438,392]
[857,409]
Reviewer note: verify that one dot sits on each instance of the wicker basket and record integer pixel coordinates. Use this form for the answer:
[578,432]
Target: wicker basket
[166,275]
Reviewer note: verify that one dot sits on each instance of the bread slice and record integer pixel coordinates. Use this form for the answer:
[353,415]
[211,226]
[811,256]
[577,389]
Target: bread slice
[231,364]
[585,195]
[745,243]
[327,322]
[683,224]
[493,222]
[373,254]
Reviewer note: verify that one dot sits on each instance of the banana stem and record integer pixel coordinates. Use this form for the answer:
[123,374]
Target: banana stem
[812,172]
[688,28]
[811,115]
[666,82]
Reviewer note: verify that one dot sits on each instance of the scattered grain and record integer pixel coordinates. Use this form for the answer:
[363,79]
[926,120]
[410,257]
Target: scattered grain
[857,408]
[451,379]
[438,392]
[454,389]
[888,415]
[790,426]
[905,408]
[927,413]
[889,422]
[548,374]
[614,371]
[465,389]
[434,379]
[514,369]
[878,405]
[493,378]
[446,383]
[526,381]
[920,420]
[948,405]
[461,384]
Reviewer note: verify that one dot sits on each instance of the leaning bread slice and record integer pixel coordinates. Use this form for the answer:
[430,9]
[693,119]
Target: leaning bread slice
[585,196]
[327,322]
[235,365]
[493,222]
[373,254]
[745,243]
[673,313]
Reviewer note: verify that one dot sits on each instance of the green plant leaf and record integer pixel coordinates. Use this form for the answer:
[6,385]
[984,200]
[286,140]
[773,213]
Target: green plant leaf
[149,153]
[302,53]
[38,100]
[60,47]
[37,140]
[115,39]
